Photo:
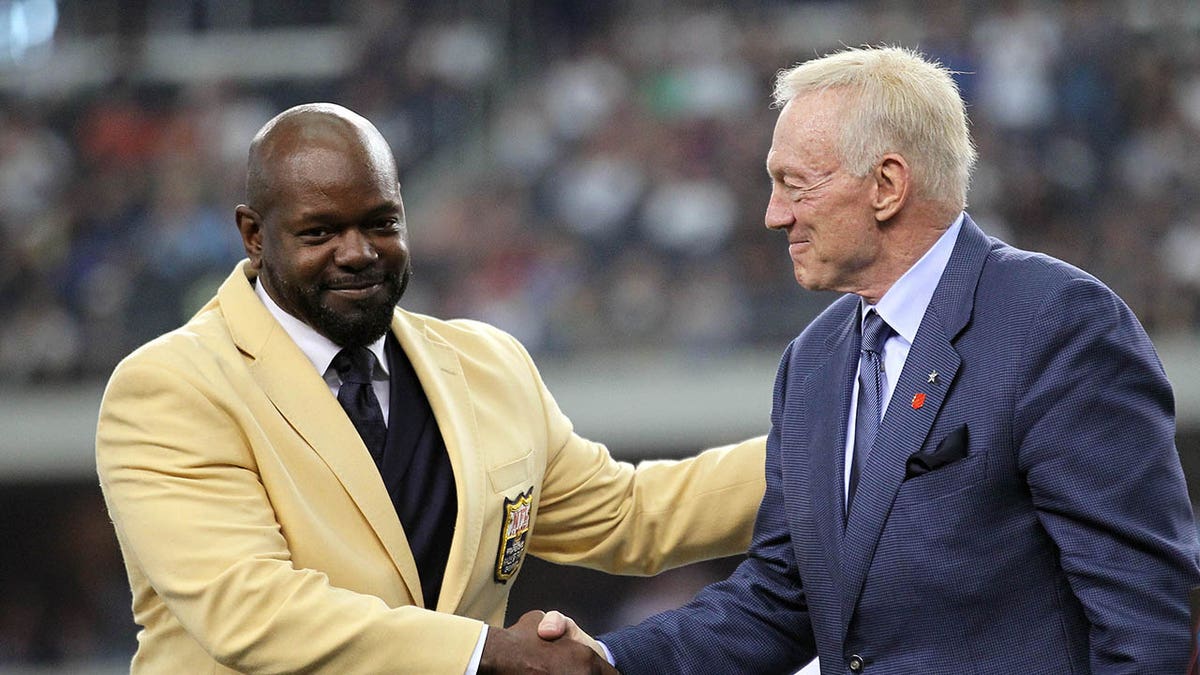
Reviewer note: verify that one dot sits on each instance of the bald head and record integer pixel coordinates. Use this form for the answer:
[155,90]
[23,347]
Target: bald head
[324,227]
[300,135]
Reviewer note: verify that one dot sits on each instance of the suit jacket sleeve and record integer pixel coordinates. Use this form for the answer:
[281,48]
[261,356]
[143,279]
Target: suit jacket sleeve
[596,512]
[755,621]
[185,496]
[1094,426]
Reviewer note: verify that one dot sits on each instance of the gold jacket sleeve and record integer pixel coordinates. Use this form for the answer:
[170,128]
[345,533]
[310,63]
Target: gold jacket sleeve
[610,515]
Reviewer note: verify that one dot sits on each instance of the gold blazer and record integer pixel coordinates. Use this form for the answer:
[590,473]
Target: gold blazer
[258,535]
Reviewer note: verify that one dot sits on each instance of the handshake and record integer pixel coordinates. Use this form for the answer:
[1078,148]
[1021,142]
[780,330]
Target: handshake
[542,642]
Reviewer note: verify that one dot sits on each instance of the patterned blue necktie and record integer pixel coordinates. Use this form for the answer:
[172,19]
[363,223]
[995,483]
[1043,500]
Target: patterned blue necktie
[871,385]
[354,366]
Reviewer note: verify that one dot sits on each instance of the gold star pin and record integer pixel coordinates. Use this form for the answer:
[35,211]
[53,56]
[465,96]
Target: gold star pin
[933,377]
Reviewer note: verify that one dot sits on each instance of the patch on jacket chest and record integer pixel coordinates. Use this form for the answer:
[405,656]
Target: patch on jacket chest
[513,534]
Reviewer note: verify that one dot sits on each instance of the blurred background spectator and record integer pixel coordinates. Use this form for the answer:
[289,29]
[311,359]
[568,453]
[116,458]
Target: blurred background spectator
[563,164]
[588,176]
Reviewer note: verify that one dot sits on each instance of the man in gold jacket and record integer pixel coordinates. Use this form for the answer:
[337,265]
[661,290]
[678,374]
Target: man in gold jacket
[256,530]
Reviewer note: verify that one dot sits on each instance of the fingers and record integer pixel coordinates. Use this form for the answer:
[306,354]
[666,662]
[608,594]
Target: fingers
[555,625]
[529,620]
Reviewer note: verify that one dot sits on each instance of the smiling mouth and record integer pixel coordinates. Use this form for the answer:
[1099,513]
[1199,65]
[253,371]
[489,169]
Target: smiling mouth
[355,289]
[354,286]
[351,283]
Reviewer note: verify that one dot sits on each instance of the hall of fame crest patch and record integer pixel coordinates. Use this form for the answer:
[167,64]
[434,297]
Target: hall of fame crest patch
[513,535]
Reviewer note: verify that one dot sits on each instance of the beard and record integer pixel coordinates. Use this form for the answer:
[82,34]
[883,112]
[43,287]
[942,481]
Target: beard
[363,324]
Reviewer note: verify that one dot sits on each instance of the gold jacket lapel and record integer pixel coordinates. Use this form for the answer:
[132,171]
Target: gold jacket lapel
[301,395]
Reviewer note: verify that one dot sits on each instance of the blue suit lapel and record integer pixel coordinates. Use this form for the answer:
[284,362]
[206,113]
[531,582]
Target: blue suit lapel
[901,432]
[905,425]
[825,425]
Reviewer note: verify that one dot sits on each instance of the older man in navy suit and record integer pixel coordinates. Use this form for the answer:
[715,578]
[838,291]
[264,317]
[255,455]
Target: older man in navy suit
[971,465]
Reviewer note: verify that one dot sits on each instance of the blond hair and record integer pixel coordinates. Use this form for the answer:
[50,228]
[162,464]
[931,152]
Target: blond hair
[898,101]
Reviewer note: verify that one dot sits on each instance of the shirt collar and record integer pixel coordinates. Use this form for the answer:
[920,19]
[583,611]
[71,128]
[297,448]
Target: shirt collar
[904,304]
[318,348]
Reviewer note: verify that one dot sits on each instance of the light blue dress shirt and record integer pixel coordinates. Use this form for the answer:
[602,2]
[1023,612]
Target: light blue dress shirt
[902,307]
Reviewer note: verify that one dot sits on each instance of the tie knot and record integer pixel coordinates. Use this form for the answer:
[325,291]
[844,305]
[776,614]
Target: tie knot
[875,332]
[355,364]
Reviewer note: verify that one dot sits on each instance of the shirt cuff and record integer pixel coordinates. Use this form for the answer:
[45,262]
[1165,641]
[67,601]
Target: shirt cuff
[473,666]
[607,654]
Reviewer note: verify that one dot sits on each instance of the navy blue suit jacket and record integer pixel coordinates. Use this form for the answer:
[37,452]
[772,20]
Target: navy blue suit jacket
[1022,512]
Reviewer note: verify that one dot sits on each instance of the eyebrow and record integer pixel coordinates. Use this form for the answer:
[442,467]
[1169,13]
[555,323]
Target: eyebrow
[784,170]
[388,206]
[767,164]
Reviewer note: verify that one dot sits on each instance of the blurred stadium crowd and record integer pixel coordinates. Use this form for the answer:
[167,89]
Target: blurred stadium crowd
[586,177]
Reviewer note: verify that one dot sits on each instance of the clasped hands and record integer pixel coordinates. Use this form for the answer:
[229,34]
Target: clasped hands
[542,643]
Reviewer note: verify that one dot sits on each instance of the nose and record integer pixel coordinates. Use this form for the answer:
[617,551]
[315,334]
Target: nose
[779,214]
[355,249]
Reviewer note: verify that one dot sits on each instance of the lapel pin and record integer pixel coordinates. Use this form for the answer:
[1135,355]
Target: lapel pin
[918,400]
[933,377]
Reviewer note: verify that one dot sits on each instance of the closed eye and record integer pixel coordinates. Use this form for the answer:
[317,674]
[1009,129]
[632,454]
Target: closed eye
[798,192]
[795,192]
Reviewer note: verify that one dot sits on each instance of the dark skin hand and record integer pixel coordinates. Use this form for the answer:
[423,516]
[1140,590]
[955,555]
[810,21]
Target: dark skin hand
[518,650]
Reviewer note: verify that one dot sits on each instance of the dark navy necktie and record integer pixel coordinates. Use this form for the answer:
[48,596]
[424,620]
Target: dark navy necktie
[871,385]
[354,366]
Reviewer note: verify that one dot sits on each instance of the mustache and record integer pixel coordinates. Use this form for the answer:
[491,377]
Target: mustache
[357,281]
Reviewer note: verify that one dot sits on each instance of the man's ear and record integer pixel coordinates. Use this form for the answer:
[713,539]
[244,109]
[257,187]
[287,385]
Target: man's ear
[249,224]
[893,182]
